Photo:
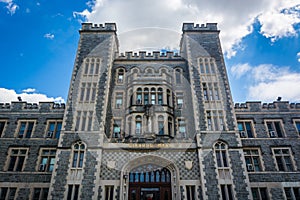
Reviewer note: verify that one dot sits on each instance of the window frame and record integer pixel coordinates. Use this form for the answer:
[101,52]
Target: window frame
[3,125]
[245,132]
[296,123]
[41,193]
[292,193]
[282,156]
[227,190]
[117,122]
[190,192]
[119,96]
[252,156]
[25,133]
[259,192]
[221,163]
[50,160]
[54,134]
[7,195]
[73,192]
[17,159]
[274,128]
[120,72]
[77,162]
[109,192]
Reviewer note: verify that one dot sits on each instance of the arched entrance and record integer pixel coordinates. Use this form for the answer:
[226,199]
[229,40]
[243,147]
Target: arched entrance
[149,182]
[149,177]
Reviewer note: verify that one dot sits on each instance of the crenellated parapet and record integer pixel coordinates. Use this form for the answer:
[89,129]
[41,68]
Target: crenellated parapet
[25,106]
[107,27]
[143,55]
[257,106]
[199,27]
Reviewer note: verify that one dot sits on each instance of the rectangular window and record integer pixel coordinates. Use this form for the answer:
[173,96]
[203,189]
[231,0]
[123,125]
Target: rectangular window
[226,191]
[245,129]
[16,159]
[161,130]
[260,193]
[292,193]
[283,159]
[119,100]
[109,192]
[297,124]
[205,93]
[54,128]
[182,128]
[190,192]
[47,161]
[73,192]
[7,193]
[215,121]
[117,128]
[179,97]
[252,158]
[25,129]
[2,126]
[274,129]
[40,193]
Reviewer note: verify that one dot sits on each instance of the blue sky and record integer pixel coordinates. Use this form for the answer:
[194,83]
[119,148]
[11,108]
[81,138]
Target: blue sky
[260,39]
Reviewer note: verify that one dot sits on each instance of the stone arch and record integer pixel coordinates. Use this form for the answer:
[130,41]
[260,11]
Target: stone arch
[149,159]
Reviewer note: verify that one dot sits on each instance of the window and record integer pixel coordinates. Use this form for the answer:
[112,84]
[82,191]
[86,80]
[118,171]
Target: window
[40,193]
[73,192]
[160,96]
[207,65]
[169,99]
[161,122]
[7,193]
[215,120]
[119,100]
[120,76]
[274,128]
[109,192]
[54,128]
[181,128]
[153,96]
[179,97]
[226,191]
[146,96]
[47,160]
[117,128]
[78,154]
[190,192]
[25,129]
[221,154]
[2,126]
[16,159]
[292,193]
[205,94]
[170,126]
[259,193]
[283,159]
[138,125]
[91,66]
[297,124]
[139,96]
[178,76]
[245,129]
[84,121]
[252,159]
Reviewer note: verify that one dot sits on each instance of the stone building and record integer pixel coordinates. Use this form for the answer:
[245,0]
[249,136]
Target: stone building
[150,126]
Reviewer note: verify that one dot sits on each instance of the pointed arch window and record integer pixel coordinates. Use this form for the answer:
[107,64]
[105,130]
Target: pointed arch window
[161,130]
[78,154]
[120,76]
[139,96]
[221,154]
[138,125]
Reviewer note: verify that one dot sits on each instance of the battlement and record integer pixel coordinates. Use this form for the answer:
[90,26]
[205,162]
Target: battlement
[169,55]
[24,106]
[257,106]
[107,27]
[186,27]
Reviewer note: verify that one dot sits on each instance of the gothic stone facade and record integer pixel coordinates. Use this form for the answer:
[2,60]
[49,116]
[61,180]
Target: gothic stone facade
[150,126]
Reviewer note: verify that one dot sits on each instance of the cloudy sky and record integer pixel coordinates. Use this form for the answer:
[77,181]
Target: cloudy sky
[260,40]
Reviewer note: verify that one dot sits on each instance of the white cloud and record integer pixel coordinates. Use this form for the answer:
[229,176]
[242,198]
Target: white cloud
[49,36]
[267,82]
[235,17]
[10,5]
[7,96]
[298,56]
[29,90]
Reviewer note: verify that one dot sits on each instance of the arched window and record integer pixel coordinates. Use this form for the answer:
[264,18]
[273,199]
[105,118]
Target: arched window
[139,96]
[138,125]
[146,96]
[78,154]
[120,76]
[169,100]
[160,120]
[178,76]
[170,126]
[153,96]
[221,154]
[160,96]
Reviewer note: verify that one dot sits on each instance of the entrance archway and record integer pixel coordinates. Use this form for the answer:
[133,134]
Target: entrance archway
[149,178]
[149,182]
